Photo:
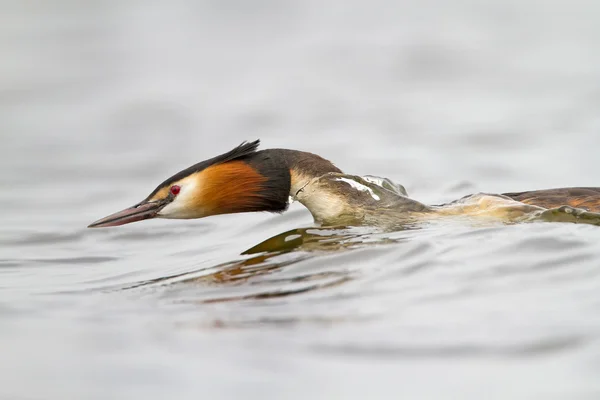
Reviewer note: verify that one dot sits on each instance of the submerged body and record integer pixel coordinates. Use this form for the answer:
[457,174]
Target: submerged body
[246,180]
[353,200]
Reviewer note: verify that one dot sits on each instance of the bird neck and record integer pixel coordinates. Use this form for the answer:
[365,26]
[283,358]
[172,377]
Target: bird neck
[290,169]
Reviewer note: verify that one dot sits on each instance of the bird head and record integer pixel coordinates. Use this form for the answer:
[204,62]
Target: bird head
[240,180]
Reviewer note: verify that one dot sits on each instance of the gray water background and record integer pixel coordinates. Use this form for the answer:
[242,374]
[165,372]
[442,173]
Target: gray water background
[102,100]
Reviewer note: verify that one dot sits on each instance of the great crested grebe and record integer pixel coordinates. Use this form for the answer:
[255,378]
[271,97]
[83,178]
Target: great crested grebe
[245,179]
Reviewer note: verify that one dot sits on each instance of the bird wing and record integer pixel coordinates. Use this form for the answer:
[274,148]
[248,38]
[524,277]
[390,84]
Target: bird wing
[587,198]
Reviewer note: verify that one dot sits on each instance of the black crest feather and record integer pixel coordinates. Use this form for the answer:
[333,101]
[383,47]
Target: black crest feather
[243,150]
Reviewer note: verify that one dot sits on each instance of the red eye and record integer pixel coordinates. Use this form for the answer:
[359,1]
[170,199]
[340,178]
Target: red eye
[175,190]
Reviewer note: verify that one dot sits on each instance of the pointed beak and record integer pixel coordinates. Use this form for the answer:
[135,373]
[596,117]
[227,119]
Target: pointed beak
[139,212]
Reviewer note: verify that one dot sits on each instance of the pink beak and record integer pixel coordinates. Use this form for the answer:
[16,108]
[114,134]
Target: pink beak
[139,212]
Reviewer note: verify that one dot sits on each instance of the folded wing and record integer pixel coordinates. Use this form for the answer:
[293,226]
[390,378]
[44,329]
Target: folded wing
[587,198]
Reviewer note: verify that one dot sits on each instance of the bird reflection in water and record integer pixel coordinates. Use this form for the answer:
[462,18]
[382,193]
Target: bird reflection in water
[271,256]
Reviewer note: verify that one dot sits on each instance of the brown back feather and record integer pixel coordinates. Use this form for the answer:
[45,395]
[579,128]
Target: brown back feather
[587,198]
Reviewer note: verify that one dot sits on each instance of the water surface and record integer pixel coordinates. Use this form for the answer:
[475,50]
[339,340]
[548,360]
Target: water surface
[101,101]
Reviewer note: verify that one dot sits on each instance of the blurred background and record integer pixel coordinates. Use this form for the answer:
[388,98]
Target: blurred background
[102,100]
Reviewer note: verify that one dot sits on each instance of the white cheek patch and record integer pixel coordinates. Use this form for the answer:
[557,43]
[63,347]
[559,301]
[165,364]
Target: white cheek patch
[182,206]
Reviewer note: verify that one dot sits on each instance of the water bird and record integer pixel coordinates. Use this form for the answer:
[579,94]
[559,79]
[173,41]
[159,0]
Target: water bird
[246,179]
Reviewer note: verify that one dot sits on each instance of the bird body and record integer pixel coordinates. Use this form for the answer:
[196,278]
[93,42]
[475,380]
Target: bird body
[247,180]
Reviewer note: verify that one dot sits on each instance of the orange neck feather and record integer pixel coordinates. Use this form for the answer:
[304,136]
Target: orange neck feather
[230,187]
